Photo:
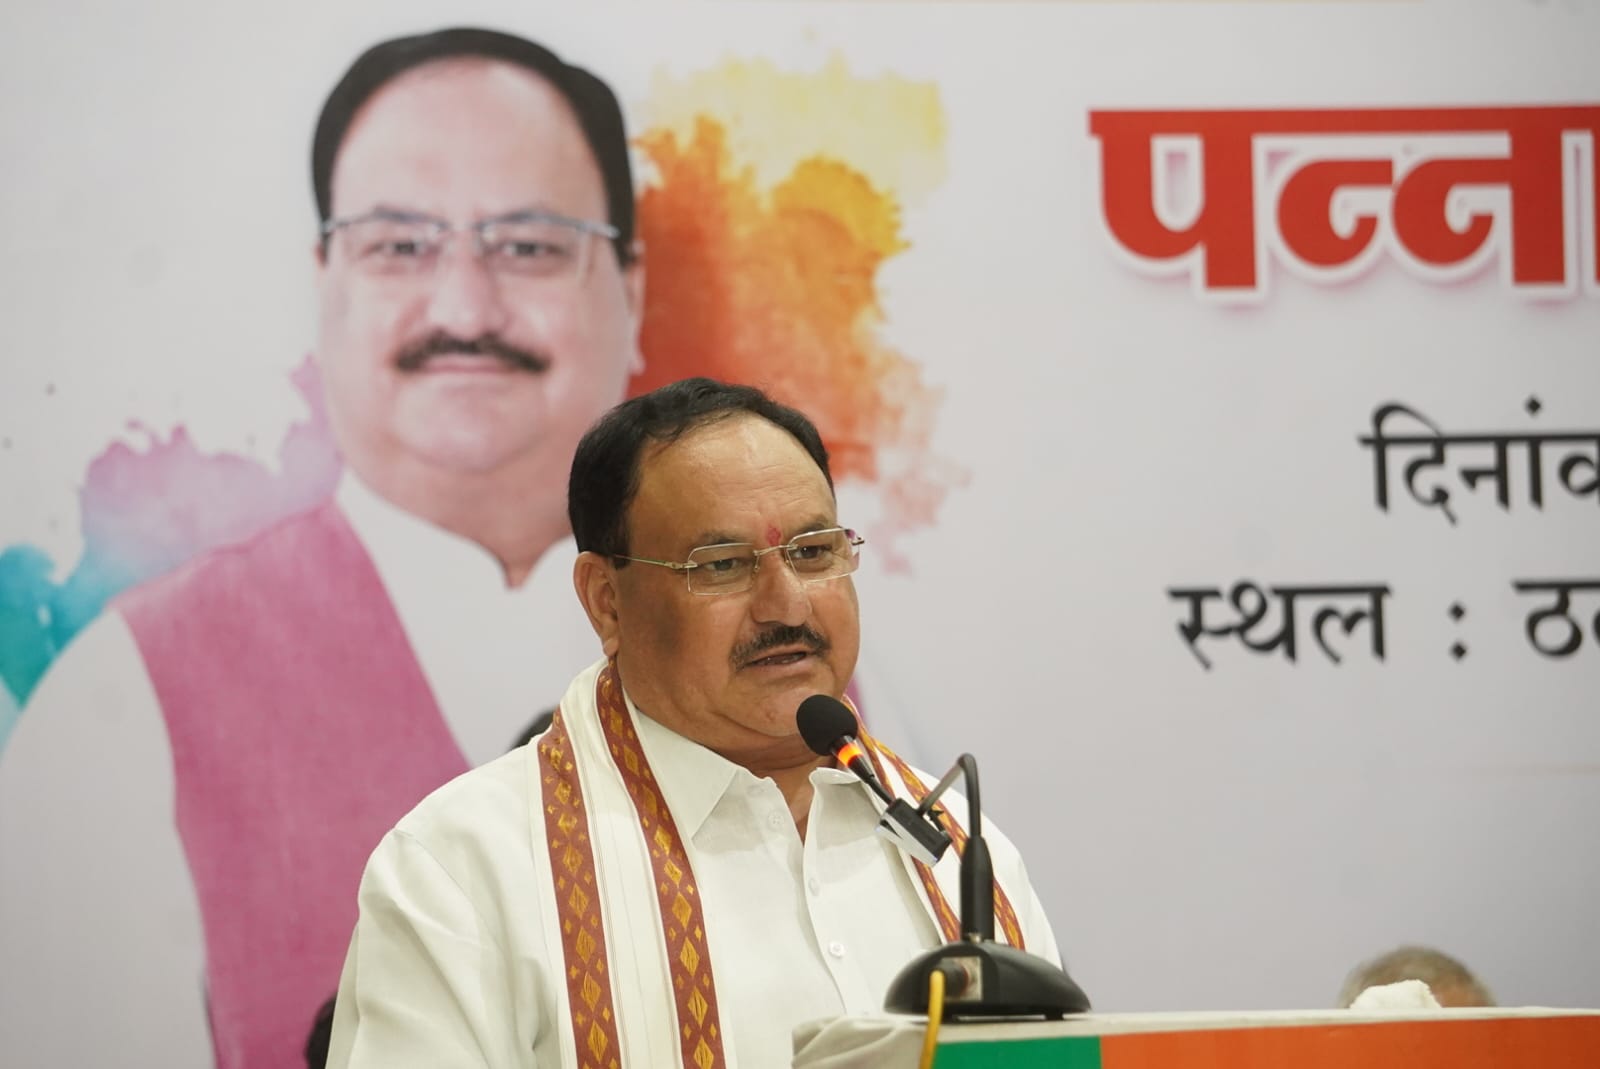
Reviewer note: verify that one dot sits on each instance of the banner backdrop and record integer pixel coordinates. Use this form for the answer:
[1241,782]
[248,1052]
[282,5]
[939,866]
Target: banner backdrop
[1215,386]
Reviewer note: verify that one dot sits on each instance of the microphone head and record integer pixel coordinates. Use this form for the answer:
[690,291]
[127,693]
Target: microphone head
[823,721]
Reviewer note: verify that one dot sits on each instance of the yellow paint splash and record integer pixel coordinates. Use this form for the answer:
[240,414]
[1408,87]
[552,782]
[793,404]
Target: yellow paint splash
[888,129]
[775,202]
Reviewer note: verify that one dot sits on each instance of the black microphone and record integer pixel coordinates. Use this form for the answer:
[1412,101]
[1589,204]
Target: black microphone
[829,728]
[982,978]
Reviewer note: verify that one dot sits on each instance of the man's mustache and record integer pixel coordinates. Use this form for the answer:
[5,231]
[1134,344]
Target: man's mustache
[416,355]
[775,637]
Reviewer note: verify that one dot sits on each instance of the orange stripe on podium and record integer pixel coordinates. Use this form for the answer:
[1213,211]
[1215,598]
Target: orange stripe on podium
[1545,1042]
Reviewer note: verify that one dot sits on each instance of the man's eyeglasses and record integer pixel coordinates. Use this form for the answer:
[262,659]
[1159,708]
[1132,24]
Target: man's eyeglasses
[523,245]
[731,568]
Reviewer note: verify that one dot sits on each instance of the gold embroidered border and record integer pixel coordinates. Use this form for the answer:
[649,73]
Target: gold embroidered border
[583,936]
[694,990]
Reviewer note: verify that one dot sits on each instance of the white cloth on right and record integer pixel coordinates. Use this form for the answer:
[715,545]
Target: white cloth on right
[1401,995]
[452,963]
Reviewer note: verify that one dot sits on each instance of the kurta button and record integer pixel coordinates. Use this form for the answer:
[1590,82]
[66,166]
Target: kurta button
[836,948]
[775,820]
[815,885]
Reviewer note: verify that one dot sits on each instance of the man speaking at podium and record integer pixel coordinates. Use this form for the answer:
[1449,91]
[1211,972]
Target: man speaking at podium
[669,876]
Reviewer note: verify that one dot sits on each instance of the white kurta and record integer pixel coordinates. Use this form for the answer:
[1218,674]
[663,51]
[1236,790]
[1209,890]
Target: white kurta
[453,964]
[86,793]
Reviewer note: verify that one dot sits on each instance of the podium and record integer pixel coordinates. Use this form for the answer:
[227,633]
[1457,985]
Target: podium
[1313,1039]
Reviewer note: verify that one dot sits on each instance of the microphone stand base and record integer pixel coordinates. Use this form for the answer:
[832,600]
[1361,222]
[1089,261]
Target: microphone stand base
[986,980]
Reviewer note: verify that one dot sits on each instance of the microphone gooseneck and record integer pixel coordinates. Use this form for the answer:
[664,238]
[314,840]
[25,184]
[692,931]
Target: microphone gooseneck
[977,870]
[984,979]
[987,979]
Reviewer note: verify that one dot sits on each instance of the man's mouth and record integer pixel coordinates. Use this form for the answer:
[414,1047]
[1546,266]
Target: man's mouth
[468,362]
[773,660]
[779,647]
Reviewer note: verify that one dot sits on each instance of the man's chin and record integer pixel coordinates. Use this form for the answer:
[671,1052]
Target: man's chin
[784,687]
[467,454]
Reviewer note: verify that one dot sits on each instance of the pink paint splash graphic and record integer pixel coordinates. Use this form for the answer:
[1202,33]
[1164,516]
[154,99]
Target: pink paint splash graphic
[146,510]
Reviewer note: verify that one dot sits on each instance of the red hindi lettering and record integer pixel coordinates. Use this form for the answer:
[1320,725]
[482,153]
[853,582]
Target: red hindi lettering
[1224,228]
[1223,242]
[1305,210]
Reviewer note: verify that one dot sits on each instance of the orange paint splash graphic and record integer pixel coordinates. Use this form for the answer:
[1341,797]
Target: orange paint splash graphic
[776,283]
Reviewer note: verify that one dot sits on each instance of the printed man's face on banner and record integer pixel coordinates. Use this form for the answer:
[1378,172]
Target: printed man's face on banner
[463,141]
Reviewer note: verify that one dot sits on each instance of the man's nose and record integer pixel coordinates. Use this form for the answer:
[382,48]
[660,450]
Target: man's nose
[778,595]
[466,301]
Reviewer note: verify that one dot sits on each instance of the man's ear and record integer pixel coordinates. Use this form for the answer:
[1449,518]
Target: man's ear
[633,279]
[633,290]
[594,578]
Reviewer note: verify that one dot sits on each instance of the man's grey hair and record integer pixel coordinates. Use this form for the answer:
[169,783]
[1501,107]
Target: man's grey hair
[1435,968]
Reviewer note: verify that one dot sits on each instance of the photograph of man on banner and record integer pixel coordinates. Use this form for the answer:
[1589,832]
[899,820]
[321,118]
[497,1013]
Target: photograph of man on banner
[479,289]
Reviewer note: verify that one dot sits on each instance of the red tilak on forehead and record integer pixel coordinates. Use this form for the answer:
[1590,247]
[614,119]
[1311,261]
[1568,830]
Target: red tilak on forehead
[774,536]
